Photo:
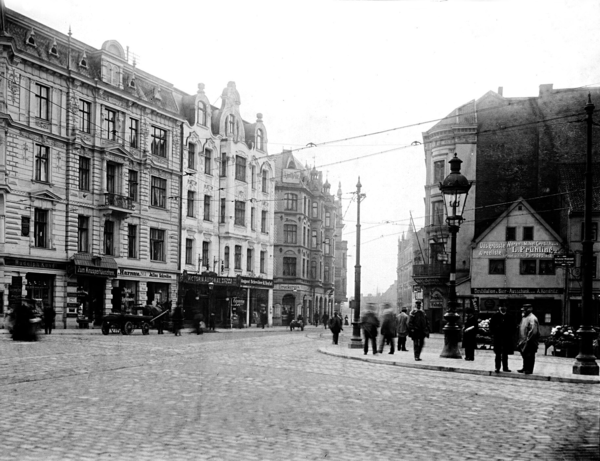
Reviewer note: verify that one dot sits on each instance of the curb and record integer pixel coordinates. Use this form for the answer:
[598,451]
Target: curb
[555,379]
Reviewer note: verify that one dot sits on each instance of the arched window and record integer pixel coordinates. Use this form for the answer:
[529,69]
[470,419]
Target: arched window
[259,139]
[264,181]
[201,118]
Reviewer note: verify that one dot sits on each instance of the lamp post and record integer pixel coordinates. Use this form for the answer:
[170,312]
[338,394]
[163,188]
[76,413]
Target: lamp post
[455,189]
[211,286]
[355,340]
[585,362]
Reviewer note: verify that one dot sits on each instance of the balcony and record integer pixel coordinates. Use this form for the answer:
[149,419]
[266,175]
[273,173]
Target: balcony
[117,204]
[431,274]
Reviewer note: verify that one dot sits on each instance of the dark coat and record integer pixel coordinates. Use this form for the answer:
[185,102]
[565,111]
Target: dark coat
[369,323]
[335,324]
[389,325]
[503,328]
[418,325]
[470,337]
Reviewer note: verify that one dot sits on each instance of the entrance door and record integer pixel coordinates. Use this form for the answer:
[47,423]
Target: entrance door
[288,313]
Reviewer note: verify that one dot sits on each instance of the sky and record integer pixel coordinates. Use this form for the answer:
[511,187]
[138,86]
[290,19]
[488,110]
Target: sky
[324,71]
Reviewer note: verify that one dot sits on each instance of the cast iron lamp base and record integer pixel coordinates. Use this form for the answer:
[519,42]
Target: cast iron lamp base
[355,340]
[585,362]
[451,337]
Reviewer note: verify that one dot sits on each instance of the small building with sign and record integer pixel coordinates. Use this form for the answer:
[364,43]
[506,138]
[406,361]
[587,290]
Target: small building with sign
[513,264]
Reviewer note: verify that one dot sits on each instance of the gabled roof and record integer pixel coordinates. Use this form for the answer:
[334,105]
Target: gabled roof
[532,212]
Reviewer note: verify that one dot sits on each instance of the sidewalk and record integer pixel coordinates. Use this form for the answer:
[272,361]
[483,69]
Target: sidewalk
[547,368]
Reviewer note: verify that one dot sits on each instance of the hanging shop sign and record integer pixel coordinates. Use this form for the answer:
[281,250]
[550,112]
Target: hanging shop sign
[253,282]
[538,249]
[517,291]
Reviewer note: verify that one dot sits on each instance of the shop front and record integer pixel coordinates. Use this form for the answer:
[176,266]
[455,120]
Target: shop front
[257,292]
[135,289]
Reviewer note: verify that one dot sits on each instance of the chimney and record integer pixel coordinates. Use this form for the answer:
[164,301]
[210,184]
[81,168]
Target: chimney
[500,90]
[546,88]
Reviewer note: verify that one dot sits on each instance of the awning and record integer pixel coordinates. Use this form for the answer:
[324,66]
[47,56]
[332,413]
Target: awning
[93,265]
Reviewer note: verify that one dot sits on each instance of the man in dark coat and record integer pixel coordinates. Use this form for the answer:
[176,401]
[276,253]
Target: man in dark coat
[369,324]
[335,325]
[49,316]
[502,328]
[418,329]
[388,329]
[264,318]
[470,334]
[325,320]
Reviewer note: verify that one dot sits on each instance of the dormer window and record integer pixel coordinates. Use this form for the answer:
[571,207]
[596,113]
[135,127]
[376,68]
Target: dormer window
[132,82]
[54,49]
[30,40]
[83,61]
[230,125]
[259,139]
[201,118]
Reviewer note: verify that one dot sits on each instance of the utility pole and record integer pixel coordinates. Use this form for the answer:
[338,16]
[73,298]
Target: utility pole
[585,362]
[355,341]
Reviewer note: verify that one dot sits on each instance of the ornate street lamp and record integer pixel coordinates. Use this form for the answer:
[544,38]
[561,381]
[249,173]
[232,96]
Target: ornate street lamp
[455,189]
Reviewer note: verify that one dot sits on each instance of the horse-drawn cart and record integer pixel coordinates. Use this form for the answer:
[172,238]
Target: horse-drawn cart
[125,323]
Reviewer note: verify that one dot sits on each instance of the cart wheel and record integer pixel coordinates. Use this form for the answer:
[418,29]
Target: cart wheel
[105,328]
[145,328]
[127,328]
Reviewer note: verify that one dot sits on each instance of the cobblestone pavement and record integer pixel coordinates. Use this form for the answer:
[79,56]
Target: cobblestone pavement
[258,395]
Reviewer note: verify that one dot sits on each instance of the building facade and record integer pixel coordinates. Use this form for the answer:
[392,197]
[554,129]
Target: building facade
[305,242]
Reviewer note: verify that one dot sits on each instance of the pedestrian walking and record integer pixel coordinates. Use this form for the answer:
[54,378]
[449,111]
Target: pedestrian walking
[264,318]
[49,316]
[23,321]
[470,330]
[388,329]
[198,321]
[325,320]
[177,318]
[335,325]
[346,320]
[418,329]
[529,335]
[369,324]
[211,322]
[402,329]
[502,328]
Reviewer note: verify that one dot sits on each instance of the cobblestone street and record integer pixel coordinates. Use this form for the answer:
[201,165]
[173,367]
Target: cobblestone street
[254,395]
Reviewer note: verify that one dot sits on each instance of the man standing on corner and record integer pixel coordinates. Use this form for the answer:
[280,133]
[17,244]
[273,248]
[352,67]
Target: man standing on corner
[402,322]
[502,328]
[335,325]
[529,334]
[418,327]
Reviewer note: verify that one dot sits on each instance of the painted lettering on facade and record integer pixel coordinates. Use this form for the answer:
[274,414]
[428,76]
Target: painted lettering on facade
[291,176]
[539,249]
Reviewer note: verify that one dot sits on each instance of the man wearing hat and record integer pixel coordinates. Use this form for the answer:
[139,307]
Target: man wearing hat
[529,334]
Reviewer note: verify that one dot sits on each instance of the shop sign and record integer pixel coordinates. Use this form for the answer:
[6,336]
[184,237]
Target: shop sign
[251,282]
[539,249]
[197,278]
[237,302]
[287,287]
[95,271]
[34,263]
[517,291]
[145,274]
[291,176]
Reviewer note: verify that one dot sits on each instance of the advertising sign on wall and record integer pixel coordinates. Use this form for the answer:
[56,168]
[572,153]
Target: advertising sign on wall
[538,249]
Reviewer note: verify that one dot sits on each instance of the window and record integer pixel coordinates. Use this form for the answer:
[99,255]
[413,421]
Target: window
[111,178]
[264,181]
[249,260]
[238,257]
[109,130]
[291,202]
[315,210]
[290,233]
[223,202]
[158,192]
[313,269]
[205,249]
[253,176]
[547,267]
[42,101]
[252,218]
[327,246]
[289,267]
[496,266]
[85,113]
[223,164]
[83,233]
[528,266]
[84,173]
[189,251]
[240,168]
[240,213]
[41,228]
[314,239]
[159,142]
[207,199]
[226,258]
[42,159]
[437,213]
[134,133]
[438,172]
[201,115]
[326,274]
[109,228]
[230,125]
[528,233]
[259,139]
[262,262]
[263,221]
[328,219]
[511,234]
[25,226]
[157,244]
[207,161]
[191,156]
[131,241]
[191,201]
[594,231]
[133,185]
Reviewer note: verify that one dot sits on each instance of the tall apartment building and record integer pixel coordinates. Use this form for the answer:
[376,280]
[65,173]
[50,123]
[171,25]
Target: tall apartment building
[306,222]
[95,179]
[341,255]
